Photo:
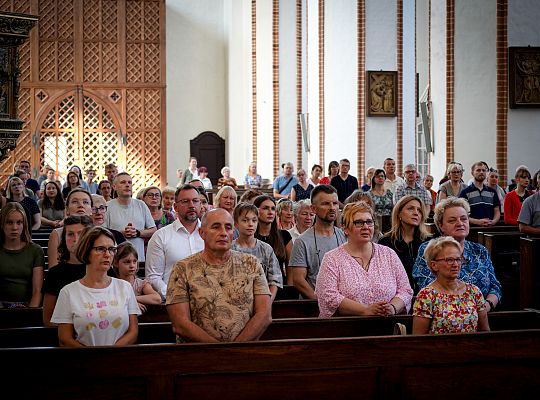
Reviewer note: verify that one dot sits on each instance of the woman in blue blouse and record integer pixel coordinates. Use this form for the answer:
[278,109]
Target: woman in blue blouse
[252,180]
[452,219]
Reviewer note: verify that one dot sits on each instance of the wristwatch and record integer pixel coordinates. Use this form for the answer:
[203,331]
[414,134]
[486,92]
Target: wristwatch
[138,233]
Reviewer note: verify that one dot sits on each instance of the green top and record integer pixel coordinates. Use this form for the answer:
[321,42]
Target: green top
[16,269]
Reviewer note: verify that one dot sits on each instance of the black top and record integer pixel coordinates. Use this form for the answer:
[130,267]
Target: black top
[344,187]
[62,274]
[286,237]
[406,252]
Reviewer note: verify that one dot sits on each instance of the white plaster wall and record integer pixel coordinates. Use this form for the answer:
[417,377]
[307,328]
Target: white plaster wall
[438,88]
[475,82]
[422,44]
[523,124]
[264,89]
[237,20]
[409,112]
[287,81]
[340,81]
[380,55]
[195,71]
[310,85]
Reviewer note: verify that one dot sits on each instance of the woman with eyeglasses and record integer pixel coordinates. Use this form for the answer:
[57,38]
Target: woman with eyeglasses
[361,277]
[78,202]
[452,219]
[96,310]
[454,185]
[448,304]
[99,209]
[152,198]
[52,206]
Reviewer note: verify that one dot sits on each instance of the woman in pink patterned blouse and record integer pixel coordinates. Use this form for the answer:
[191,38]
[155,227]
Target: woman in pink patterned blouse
[448,305]
[361,277]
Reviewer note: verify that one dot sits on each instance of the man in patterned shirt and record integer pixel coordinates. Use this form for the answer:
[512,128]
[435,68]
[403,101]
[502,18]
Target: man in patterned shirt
[412,187]
[218,294]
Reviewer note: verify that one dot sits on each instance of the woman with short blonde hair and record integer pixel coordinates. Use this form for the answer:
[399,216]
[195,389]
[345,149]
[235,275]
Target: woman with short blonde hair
[361,277]
[448,305]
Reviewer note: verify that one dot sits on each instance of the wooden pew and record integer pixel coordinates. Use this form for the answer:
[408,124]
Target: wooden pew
[474,230]
[419,367]
[280,309]
[27,317]
[529,272]
[503,249]
[287,328]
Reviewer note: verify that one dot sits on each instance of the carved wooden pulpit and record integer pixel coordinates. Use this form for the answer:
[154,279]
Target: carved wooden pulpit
[14,31]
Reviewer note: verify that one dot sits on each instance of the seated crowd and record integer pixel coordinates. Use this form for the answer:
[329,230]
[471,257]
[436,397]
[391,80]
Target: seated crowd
[218,267]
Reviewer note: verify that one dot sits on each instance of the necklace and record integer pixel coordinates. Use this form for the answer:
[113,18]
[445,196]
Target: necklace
[366,267]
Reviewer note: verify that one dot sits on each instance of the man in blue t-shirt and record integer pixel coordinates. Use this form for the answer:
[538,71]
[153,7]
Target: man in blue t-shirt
[484,201]
[283,184]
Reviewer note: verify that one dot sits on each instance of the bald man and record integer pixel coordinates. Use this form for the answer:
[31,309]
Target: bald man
[218,294]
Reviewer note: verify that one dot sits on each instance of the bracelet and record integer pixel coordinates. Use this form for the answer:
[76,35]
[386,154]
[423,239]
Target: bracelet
[138,233]
[491,305]
[394,307]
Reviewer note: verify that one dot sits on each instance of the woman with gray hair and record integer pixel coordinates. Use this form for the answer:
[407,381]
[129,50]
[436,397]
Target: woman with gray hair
[452,219]
[448,305]
[303,217]
[226,179]
[454,185]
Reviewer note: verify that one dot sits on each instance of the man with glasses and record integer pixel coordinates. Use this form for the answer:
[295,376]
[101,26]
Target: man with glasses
[483,200]
[311,246]
[175,241]
[344,183]
[128,215]
[413,188]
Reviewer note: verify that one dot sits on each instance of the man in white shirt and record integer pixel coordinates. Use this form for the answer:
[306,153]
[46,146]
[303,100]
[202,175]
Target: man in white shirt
[176,241]
[128,215]
[392,181]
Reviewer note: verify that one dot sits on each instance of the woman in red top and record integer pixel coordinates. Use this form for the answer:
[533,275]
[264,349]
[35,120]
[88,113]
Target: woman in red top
[514,199]
[333,170]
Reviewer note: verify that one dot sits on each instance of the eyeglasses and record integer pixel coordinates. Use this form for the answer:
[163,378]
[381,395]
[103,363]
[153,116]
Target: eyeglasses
[153,195]
[452,260]
[100,209]
[410,172]
[359,223]
[185,202]
[103,249]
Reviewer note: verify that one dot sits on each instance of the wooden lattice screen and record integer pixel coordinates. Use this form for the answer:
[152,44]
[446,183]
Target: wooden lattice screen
[92,87]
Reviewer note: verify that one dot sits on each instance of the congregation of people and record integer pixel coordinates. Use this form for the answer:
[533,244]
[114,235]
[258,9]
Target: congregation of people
[218,265]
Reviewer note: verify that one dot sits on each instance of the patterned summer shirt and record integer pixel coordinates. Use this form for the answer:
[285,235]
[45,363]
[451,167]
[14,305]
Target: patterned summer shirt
[383,204]
[341,277]
[221,297]
[478,270]
[417,190]
[450,313]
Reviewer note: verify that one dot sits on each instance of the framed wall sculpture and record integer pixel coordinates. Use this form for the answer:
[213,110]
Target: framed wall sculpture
[524,77]
[381,93]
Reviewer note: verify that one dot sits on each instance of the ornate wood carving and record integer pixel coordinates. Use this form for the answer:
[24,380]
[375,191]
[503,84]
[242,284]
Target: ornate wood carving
[14,30]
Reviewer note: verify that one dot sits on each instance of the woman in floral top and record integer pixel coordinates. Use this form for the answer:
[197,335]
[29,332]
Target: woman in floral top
[382,198]
[448,305]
